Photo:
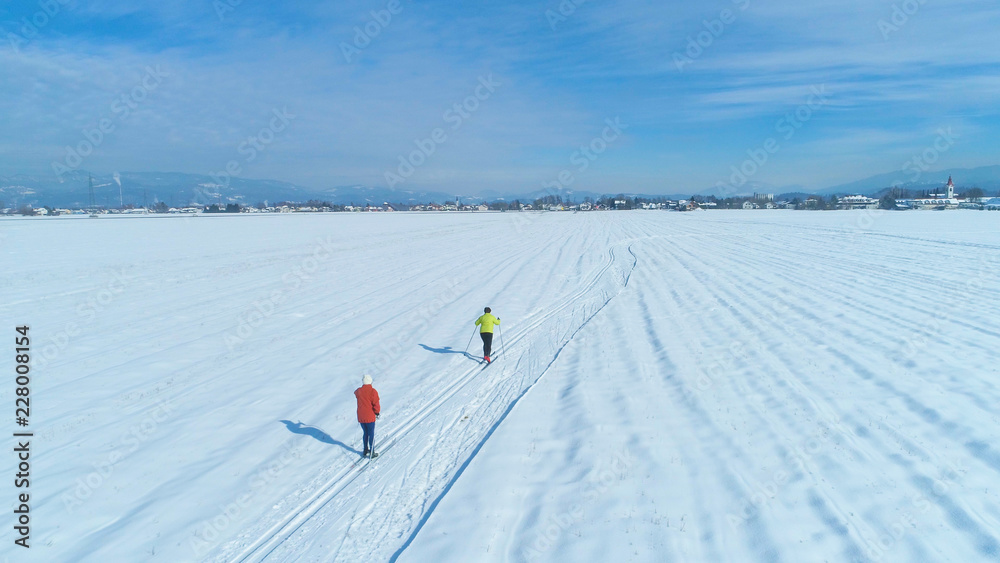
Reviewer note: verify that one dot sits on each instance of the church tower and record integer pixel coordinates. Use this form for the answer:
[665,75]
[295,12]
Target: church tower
[951,188]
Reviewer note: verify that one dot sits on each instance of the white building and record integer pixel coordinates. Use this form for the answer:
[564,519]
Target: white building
[857,202]
[944,200]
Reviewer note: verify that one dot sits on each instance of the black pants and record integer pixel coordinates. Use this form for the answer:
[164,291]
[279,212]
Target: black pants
[487,342]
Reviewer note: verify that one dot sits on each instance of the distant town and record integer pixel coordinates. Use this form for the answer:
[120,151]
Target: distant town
[894,199]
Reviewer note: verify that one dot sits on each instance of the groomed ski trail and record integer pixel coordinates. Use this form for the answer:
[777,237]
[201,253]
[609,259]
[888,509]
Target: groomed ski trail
[486,407]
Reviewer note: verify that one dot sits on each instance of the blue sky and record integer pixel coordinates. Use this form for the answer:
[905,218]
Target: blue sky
[893,77]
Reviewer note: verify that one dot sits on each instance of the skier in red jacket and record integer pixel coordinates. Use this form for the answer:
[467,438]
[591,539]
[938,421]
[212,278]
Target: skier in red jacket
[368,411]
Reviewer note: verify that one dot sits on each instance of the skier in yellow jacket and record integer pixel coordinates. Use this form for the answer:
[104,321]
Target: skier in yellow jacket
[485,324]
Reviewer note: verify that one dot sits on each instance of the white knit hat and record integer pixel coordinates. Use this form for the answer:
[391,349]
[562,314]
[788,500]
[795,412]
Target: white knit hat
[367,379]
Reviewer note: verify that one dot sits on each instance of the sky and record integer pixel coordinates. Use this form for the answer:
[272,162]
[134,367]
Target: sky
[633,96]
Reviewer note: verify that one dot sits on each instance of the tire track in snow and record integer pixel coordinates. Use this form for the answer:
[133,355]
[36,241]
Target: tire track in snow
[819,507]
[851,548]
[757,354]
[928,415]
[916,406]
[756,534]
[858,303]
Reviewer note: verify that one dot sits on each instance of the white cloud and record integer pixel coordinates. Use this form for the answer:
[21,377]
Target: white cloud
[558,85]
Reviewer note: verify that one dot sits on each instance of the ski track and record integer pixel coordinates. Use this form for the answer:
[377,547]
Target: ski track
[752,345]
[491,414]
[771,401]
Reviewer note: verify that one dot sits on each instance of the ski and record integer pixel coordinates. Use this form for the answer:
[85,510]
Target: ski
[363,461]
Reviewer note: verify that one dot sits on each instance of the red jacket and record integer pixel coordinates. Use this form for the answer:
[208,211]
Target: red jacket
[368,406]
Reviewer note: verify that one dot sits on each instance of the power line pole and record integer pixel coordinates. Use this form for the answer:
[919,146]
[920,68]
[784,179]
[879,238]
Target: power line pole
[90,180]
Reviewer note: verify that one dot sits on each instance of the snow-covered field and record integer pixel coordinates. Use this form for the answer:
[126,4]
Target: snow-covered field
[710,386]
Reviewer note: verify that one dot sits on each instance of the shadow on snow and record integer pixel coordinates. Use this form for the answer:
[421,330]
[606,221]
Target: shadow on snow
[299,428]
[448,350]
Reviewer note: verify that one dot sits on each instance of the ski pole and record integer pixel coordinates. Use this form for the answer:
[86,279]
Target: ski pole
[500,330]
[470,341]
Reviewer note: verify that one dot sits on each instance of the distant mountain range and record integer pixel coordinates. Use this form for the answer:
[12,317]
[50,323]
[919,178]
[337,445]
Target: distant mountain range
[985,177]
[178,189]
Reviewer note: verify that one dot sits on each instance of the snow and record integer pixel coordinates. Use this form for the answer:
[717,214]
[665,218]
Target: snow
[722,386]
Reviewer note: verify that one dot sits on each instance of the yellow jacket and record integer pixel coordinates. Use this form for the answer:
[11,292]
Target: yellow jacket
[486,322]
